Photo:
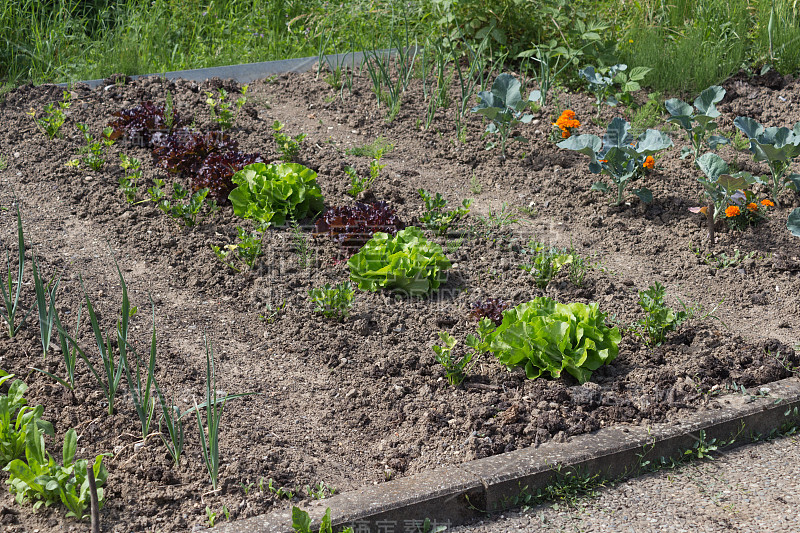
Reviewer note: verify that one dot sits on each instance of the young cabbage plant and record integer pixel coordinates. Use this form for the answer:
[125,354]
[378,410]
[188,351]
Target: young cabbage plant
[602,81]
[619,156]
[778,147]
[793,222]
[504,107]
[698,124]
[720,187]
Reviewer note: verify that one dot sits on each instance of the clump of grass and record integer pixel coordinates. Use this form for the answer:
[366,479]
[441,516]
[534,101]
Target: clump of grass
[690,45]
[374,150]
[78,40]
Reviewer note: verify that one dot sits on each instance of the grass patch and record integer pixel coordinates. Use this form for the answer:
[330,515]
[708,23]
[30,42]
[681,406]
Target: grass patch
[374,150]
[690,44]
[84,39]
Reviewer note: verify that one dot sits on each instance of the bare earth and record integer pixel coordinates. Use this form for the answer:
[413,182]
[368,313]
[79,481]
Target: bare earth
[361,402]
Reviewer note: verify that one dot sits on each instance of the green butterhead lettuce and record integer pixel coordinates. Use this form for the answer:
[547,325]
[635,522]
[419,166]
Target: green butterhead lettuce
[269,194]
[407,263]
[545,336]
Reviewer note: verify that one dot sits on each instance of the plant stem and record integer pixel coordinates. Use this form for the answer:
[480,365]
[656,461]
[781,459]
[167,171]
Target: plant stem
[710,218]
[93,501]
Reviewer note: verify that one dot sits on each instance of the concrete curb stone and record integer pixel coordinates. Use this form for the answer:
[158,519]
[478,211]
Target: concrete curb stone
[453,495]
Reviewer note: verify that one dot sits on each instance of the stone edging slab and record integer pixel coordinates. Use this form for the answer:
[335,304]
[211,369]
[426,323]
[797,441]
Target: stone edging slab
[453,495]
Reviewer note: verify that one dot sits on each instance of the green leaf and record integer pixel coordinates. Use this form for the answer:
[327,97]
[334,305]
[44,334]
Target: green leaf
[489,112]
[705,102]
[617,134]
[301,521]
[600,186]
[70,447]
[652,141]
[732,183]
[18,469]
[773,153]
[585,144]
[793,222]
[34,447]
[678,109]
[716,140]
[749,127]
[15,394]
[638,73]
[631,86]
[644,194]
[794,179]
[704,123]
[712,165]
[325,523]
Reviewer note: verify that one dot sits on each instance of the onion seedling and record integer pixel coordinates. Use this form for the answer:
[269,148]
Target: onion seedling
[70,354]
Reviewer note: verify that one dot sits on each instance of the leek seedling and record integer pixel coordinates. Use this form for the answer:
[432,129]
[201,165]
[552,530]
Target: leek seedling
[47,312]
[70,355]
[11,288]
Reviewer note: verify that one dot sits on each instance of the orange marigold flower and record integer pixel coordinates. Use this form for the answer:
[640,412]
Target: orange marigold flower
[604,160]
[565,134]
[767,203]
[568,114]
[649,162]
[732,211]
[752,206]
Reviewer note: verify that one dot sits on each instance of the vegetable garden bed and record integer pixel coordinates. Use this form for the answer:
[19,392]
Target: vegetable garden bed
[344,404]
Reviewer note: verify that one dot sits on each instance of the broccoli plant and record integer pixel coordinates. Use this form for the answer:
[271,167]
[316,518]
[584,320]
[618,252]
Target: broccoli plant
[619,156]
[699,124]
[504,107]
[778,147]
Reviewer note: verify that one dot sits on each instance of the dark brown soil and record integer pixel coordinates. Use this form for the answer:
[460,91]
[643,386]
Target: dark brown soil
[363,401]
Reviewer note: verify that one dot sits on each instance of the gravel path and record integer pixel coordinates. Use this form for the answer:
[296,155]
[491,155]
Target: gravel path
[754,488]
